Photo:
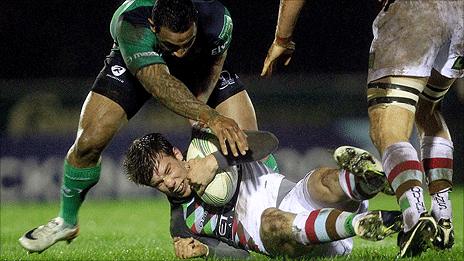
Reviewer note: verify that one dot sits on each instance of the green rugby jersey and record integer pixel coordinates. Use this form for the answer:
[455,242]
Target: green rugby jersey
[132,35]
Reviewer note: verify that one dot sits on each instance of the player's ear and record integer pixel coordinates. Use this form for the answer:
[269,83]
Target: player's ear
[177,153]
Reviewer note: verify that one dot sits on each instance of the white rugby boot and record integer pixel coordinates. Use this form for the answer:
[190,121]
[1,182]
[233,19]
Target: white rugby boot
[43,237]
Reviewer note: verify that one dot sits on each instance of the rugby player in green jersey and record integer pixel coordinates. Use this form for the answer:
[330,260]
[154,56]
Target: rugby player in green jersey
[173,50]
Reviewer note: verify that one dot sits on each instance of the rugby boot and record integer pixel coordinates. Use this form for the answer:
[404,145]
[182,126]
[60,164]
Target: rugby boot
[445,235]
[419,238]
[378,224]
[43,237]
[366,167]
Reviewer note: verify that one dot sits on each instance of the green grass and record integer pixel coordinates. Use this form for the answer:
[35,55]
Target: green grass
[139,230]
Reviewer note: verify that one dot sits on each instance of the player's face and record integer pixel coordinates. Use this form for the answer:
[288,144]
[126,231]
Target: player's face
[176,44]
[171,176]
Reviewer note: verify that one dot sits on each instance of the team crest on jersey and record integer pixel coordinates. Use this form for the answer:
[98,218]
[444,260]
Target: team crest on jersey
[226,80]
[117,70]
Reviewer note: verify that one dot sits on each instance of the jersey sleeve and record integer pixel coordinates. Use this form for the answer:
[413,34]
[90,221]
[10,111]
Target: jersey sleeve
[137,46]
[224,38]
[216,247]
[215,24]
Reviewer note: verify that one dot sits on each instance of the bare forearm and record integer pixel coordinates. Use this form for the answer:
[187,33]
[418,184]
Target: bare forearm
[174,94]
[289,11]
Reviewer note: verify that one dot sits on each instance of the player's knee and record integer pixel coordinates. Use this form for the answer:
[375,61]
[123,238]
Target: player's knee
[322,186]
[272,222]
[88,147]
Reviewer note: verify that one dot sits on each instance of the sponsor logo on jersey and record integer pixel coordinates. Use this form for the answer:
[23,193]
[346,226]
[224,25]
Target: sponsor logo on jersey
[142,54]
[226,79]
[117,70]
[224,37]
[219,49]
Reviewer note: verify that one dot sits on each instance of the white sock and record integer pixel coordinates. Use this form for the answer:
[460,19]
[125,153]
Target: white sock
[412,205]
[441,205]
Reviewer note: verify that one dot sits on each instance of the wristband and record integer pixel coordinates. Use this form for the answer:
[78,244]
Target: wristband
[283,41]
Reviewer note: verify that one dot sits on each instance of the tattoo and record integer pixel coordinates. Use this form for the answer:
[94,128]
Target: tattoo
[171,92]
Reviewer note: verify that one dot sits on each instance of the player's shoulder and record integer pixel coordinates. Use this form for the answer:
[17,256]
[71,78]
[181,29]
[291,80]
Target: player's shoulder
[136,12]
[215,24]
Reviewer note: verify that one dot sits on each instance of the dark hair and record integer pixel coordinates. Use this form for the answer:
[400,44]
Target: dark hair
[143,157]
[176,15]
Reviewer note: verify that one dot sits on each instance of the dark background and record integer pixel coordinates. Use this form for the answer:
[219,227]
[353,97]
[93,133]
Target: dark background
[51,51]
[70,38]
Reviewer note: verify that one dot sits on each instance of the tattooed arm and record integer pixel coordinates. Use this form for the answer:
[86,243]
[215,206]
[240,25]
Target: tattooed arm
[173,93]
[177,97]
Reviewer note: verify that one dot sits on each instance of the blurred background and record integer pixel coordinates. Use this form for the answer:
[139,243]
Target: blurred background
[52,51]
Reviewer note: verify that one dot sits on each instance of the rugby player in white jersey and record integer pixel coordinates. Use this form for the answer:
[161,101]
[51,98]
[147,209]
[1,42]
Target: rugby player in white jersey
[268,214]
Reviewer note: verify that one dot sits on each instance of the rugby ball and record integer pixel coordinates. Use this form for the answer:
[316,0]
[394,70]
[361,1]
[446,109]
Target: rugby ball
[222,188]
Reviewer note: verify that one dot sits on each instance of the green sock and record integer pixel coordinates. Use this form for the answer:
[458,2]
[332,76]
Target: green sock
[76,183]
[271,163]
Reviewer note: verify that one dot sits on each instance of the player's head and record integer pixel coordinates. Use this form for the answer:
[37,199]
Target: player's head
[174,23]
[152,161]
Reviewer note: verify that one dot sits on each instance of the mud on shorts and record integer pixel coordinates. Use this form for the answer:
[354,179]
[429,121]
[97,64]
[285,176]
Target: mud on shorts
[260,190]
[116,83]
[412,37]
[299,200]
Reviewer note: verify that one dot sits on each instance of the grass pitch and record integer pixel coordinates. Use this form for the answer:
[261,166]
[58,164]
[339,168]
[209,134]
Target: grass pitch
[139,230]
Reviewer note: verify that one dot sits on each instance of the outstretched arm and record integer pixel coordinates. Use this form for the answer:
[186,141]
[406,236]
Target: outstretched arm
[177,97]
[283,47]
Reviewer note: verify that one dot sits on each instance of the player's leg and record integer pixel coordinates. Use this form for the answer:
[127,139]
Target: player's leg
[115,97]
[359,178]
[326,212]
[231,99]
[392,103]
[437,155]
[100,120]
[289,234]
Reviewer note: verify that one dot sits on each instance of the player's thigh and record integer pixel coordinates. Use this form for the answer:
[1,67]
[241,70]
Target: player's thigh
[115,97]
[239,108]
[230,98]
[116,83]
[392,102]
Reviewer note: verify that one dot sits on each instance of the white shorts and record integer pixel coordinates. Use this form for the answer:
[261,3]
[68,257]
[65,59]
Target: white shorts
[259,191]
[412,37]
